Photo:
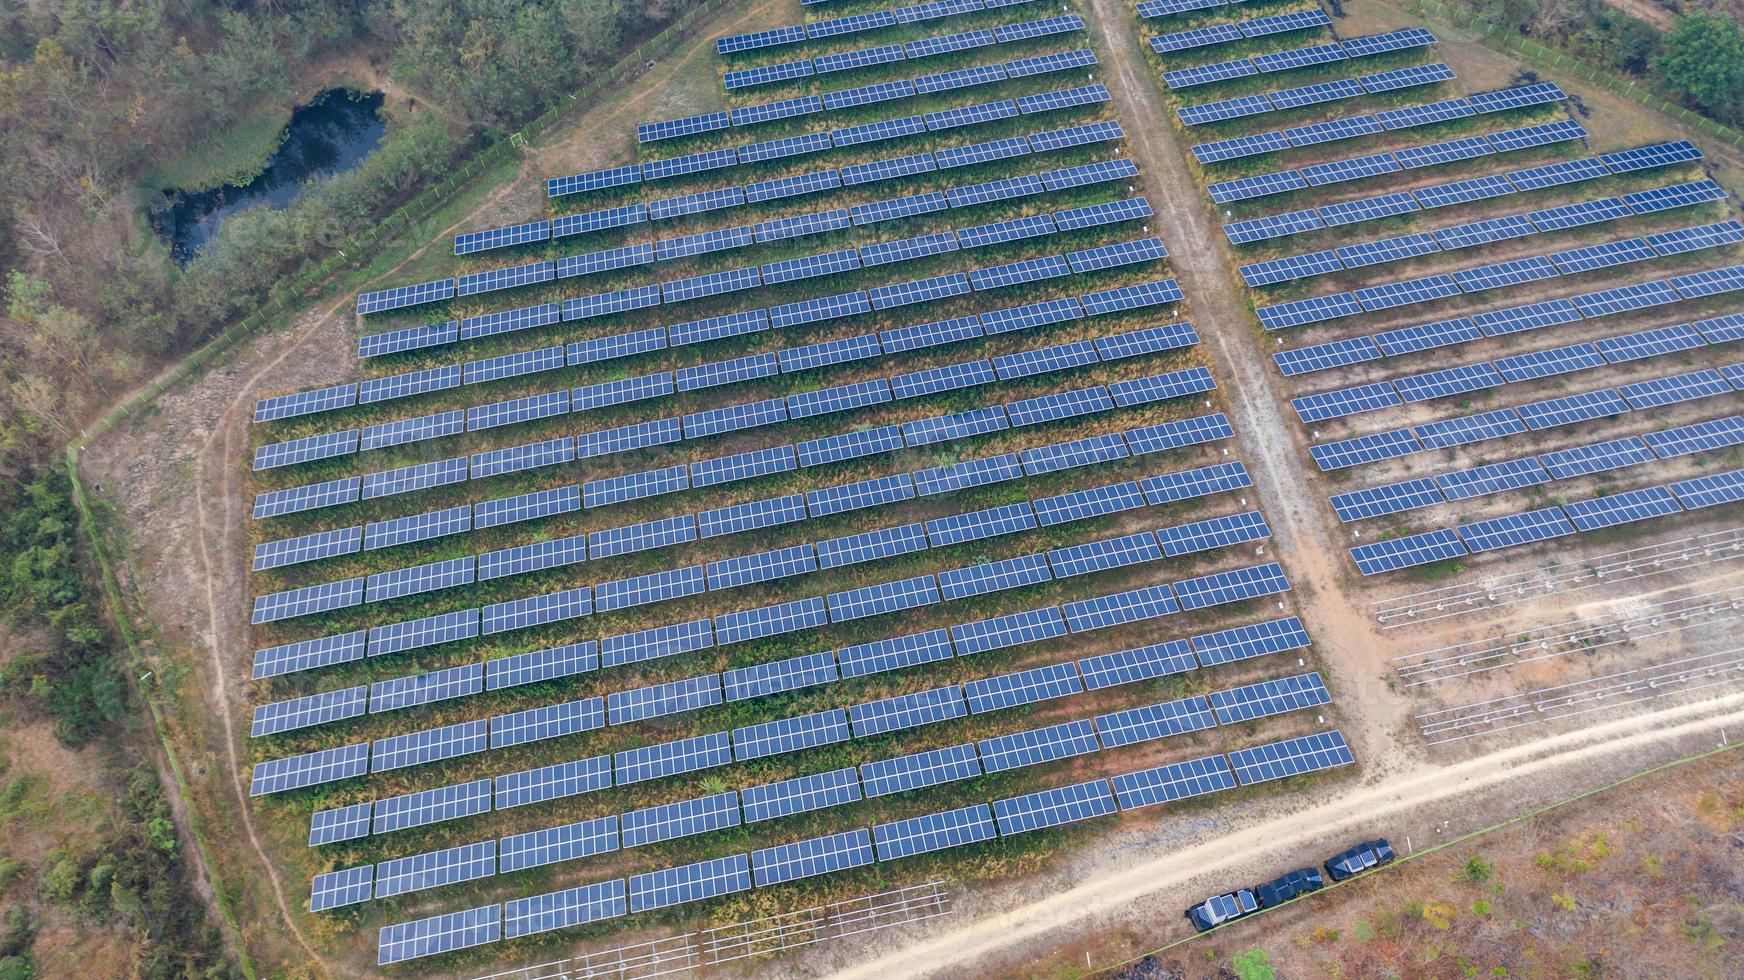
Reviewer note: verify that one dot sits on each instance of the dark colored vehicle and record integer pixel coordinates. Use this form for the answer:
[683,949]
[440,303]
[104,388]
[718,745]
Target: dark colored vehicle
[1360,858]
[1214,912]
[1281,890]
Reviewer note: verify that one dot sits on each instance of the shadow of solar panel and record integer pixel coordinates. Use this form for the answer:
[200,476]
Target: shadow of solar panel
[445,933]
[554,782]
[690,883]
[564,909]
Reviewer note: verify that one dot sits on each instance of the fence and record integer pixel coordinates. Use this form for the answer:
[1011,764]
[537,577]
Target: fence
[355,251]
[1550,58]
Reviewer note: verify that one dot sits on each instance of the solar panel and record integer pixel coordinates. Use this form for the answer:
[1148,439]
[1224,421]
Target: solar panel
[641,537]
[432,806]
[553,782]
[868,95]
[1408,551]
[1165,8]
[445,933]
[1043,64]
[517,410]
[773,230]
[593,181]
[1333,131]
[656,643]
[749,77]
[1364,449]
[537,610]
[864,58]
[1200,482]
[1291,757]
[430,745]
[400,297]
[1493,478]
[418,579]
[564,909]
[906,711]
[1240,147]
[412,634]
[1088,174]
[1260,185]
[1315,309]
[1570,409]
[690,883]
[642,590]
[340,824]
[1318,93]
[1596,458]
[541,665]
[934,832]
[801,794]
[1199,37]
[308,711]
[1354,168]
[1434,154]
[1515,529]
[1697,437]
[792,674]
[307,449]
[1458,380]
[618,217]
[895,653]
[973,473]
[307,601]
[684,818]
[1710,282]
[1321,357]
[1535,316]
[790,735]
[1061,99]
[1176,781]
[759,39]
[1548,363]
[1649,157]
[807,858]
[1319,54]
[1154,721]
[850,445]
[1272,226]
[1710,490]
[1407,292]
[1183,78]
[671,758]
[765,566]
[1054,807]
[1394,498]
[855,496]
[1621,508]
[1468,429]
[755,624]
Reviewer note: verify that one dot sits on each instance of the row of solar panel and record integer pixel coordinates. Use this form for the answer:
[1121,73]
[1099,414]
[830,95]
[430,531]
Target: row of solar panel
[1483,375]
[856,848]
[1546,523]
[639,704]
[836,101]
[1350,127]
[1462,192]
[1215,34]
[790,146]
[784,187]
[1532,471]
[1319,54]
[856,24]
[1488,231]
[803,793]
[324,544]
[1531,178]
[1333,306]
[895,340]
[925,47]
[1534,417]
[340,648]
[1317,93]
[689,818]
[698,425]
[999,632]
[1074,403]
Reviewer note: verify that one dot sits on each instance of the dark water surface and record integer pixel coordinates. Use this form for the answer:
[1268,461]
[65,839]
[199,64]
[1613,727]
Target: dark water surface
[328,136]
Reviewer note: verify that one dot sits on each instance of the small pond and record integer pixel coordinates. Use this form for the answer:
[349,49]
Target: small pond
[327,136]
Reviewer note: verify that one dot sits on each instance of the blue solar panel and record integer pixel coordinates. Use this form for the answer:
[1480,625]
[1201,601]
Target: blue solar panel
[1517,319]
[672,758]
[754,624]
[1570,409]
[1394,498]
[773,230]
[1320,357]
[1458,380]
[690,883]
[641,537]
[640,590]
[1468,429]
[801,794]
[1621,508]
[1182,78]
[1548,363]
[432,806]
[1364,449]
[1407,552]
[1314,134]
[307,711]
[1515,529]
[564,909]
[934,832]
[340,824]
[1596,458]
[656,643]
[1710,490]
[1043,64]
[1302,312]
[1492,478]
[445,933]
[553,782]
[430,745]
[309,654]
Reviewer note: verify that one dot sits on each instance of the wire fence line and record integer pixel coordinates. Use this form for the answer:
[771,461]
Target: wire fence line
[1550,58]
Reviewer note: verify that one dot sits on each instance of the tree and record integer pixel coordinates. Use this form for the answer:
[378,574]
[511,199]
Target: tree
[1703,60]
[1254,965]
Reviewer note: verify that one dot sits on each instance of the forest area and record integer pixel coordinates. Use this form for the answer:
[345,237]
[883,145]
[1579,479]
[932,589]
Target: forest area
[97,97]
[1692,52]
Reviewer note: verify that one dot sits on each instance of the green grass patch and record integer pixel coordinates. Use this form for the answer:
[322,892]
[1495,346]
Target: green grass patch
[233,157]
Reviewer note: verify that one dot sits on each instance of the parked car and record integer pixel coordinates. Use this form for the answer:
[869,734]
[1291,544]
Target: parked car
[1360,858]
[1281,890]
[1215,911]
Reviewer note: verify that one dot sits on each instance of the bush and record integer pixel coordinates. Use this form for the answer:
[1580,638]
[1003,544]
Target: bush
[1704,62]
